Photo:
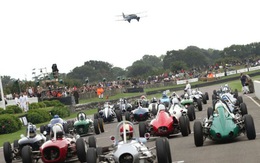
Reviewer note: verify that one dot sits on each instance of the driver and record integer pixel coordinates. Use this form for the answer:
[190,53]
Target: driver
[129,131]
[31,130]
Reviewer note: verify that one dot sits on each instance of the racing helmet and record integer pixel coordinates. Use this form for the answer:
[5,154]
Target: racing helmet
[56,116]
[154,100]
[175,101]
[82,116]
[193,92]
[161,107]
[31,130]
[225,89]
[128,129]
[57,130]
[174,94]
[186,96]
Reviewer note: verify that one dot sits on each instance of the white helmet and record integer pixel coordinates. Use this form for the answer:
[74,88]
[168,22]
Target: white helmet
[161,107]
[175,101]
[57,130]
[186,96]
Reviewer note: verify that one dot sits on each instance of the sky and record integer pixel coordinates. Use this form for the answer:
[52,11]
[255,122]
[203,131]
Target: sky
[35,34]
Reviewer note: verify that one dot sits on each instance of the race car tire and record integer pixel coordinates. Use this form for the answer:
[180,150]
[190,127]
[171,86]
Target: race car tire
[96,126]
[236,93]
[199,103]
[168,149]
[204,99]
[142,129]
[66,128]
[127,116]
[198,134]
[118,115]
[92,143]
[239,100]
[15,144]
[214,97]
[8,152]
[191,112]
[209,112]
[42,129]
[27,155]
[101,124]
[160,151]
[184,126]
[249,127]
[214,92]
[207,95]
[91,155]
[243,109]
[81,150]
[100,152]
[96,116]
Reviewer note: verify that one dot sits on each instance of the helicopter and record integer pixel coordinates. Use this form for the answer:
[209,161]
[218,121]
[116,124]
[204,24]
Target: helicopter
[129,17]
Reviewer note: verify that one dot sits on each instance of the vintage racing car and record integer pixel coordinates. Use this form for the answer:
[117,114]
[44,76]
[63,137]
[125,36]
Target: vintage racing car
[108,113]
[126,147]
[30,142]
[222,125]
[165,124]
[84,126]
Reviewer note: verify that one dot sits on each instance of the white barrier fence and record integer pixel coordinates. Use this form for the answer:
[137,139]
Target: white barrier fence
[257,87]
[12,102]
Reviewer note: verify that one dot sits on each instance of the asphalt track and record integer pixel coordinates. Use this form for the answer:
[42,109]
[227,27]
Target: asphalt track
[183,149]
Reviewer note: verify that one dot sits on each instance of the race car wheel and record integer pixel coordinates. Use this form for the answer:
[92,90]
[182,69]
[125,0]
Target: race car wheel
[191,112]
[100,152]
[184,126]
[91,155]
[42,129]
[204,99]
[160,151]
[15,144]
[214,97]
[92,142]
[214,92]
[207,95]
[27,155]
[96,116]
[101,124]
[168,149]
[96,126]
[118,115]
[249,127]
[66,128]
[239,100]
[199,103]
[8,152]
[127,116]
[243,109]
[198,134]
[236,93]
[209,112]
[81,150]
[142,129]
[154,110]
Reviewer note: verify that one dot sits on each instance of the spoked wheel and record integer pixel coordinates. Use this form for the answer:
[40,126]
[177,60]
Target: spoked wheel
[161,146]
[27,155]
[198,134]
[101,124]
[92,142]
[184,125]
[8,153]
[81,150]
[96,126]
[142,129]
[249,127]
[91,155]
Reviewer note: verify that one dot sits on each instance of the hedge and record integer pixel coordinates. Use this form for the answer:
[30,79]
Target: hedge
[9,124]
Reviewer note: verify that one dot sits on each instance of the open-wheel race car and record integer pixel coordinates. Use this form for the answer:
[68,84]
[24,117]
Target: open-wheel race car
[54,120]
[63,147]
[165,124]
[191,101]
[84,126]
[30,142]
[127,147]
[138,114]
[196,93]
[222,125]
[123,105]
[108,113]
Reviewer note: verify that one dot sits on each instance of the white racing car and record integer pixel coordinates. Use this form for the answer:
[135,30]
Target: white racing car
[126,147]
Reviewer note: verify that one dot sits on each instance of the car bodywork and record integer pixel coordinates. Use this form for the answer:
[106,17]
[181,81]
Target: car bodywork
[133,150]
[223,125]
[108,113]
[15,152]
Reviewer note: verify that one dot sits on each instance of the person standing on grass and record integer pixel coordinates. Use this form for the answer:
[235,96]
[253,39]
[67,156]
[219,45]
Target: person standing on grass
[243,80]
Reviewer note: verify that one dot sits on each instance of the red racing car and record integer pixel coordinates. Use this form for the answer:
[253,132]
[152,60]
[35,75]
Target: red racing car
[62,148]
[164,124]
